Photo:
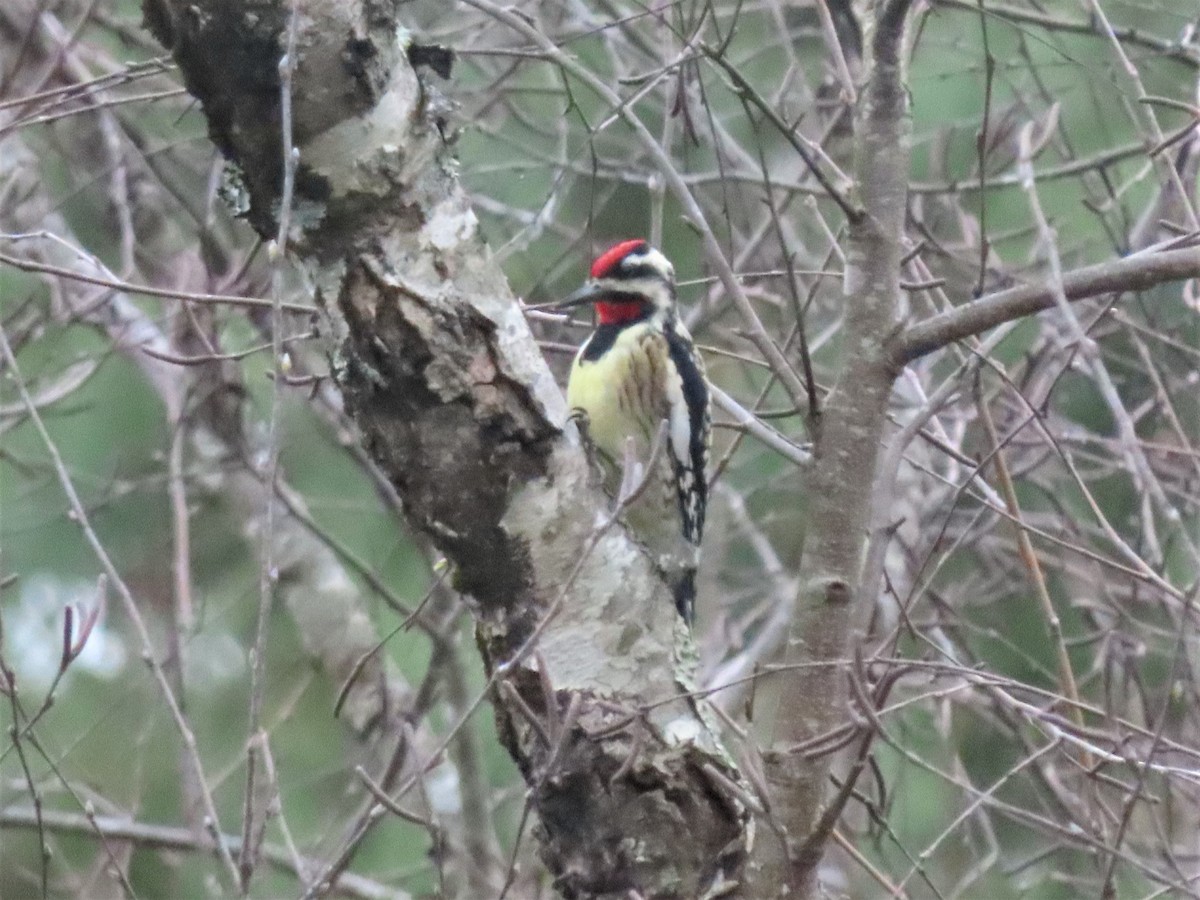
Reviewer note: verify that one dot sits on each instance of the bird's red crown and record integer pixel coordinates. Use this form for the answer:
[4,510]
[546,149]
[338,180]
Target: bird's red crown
[607,261]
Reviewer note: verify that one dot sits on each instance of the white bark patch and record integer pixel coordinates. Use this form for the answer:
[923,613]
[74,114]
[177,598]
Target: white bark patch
[613,633]
[684,730]
[450,224]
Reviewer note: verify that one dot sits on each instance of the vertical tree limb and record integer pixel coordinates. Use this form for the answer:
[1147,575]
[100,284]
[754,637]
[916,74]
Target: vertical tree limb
[812,699]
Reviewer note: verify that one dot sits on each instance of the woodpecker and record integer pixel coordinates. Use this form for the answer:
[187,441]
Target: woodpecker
[637,369]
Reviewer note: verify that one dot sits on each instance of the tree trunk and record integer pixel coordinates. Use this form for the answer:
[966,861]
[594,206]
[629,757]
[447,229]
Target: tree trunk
[453,399]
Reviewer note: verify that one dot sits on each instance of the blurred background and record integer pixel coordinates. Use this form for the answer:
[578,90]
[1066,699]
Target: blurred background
[159,412]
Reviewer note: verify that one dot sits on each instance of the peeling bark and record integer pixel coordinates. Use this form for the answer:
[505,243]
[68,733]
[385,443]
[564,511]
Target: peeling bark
[454,401]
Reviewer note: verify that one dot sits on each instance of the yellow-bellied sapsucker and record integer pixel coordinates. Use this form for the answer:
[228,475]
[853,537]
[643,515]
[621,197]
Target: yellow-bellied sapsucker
[638,369]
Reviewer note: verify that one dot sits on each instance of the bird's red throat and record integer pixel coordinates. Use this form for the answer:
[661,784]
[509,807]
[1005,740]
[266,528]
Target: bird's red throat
[619,313]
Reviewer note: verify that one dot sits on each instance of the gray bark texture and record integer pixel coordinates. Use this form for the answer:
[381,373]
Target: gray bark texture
[437,365]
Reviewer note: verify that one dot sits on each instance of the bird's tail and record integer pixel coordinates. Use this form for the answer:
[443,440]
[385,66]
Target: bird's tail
[685,595]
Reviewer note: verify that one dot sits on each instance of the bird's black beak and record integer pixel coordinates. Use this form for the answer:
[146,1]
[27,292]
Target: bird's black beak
[589,293]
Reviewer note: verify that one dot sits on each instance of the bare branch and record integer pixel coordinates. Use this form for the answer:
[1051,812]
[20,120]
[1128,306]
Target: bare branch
[166,837]
[1134,273]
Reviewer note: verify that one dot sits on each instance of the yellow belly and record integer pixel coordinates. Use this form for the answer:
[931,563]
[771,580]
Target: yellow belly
[626,392]
[619,394]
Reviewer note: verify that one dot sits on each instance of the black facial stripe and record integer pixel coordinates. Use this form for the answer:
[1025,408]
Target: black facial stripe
[605,336]
[627,271]
[608,296]
[695,394]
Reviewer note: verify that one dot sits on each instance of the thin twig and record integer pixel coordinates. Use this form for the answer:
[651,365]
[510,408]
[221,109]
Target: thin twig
[148,291]
[1066,674]
[254,821]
